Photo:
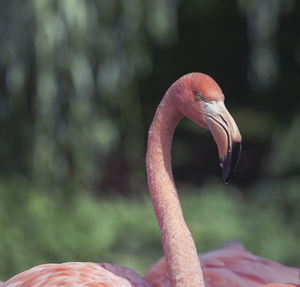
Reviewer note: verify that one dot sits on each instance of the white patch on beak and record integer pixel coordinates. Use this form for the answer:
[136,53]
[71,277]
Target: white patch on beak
[212,107]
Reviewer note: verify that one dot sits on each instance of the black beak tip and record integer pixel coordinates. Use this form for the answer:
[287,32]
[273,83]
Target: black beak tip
[226,179]
[226,175]
[229,163]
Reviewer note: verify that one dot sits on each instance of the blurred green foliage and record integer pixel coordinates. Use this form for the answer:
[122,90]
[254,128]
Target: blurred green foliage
[79,84]
[69,79]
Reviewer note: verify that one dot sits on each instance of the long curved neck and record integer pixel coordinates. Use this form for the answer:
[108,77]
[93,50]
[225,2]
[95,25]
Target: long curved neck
[182,260]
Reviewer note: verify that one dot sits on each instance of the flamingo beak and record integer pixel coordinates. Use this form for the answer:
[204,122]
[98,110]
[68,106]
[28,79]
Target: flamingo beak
[226,135]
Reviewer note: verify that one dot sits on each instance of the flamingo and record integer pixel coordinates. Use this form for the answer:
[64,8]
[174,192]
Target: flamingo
[198,97]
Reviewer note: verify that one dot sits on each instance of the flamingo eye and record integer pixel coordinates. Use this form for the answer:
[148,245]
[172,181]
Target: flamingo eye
[199,97]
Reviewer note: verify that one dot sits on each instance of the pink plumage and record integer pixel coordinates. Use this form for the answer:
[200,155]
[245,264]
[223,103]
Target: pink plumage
[73,274]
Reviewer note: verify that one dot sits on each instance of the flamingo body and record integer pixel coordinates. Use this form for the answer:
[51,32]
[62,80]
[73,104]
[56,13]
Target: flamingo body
[232,266]
[73,274]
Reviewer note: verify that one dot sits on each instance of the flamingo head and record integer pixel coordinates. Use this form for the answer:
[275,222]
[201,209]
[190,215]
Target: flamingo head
[199,98]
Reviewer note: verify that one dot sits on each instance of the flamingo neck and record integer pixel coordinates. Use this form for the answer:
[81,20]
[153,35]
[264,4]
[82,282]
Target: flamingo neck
[181,255]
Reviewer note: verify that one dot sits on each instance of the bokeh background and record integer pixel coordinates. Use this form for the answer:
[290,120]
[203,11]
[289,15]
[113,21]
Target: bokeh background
[79,85]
